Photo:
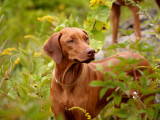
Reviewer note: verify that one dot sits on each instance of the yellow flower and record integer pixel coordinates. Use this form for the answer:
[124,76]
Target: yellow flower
[81,109]
[48,18]
[89,117]
[155,86]
[92,2]
[148,67]
[156,69]
[7,51]
[105,27]
[35,85]
[108,3]
[42,109]
[50,109]
[28,36]
[101,2]
[156,60]
[16,62]
[37,54]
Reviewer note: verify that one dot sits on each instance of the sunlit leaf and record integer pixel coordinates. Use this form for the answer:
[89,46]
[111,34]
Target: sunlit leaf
[97,83]
[103,91]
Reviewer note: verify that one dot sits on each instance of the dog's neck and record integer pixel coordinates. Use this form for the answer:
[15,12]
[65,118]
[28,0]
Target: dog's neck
[67,72]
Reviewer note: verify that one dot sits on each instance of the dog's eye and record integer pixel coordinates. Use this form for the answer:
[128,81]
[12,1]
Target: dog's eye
[87,39]
[70,41]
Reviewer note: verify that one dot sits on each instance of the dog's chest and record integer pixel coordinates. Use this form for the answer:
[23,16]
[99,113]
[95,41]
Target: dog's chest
[74,97]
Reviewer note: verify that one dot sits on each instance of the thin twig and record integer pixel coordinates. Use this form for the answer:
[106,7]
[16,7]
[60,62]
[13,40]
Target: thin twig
[3,45]
[94,24]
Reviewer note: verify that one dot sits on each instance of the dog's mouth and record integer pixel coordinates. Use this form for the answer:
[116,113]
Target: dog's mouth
[85,61]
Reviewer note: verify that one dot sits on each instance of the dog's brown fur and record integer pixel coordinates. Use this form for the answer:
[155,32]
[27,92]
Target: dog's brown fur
[72,54]
[115,15]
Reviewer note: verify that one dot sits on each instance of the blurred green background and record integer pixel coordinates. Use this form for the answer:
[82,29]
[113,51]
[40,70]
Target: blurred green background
[25,73]
[20,16]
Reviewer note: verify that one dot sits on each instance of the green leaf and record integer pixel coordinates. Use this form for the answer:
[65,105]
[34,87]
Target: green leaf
[144,47]
[103,91]
[46,92]
[150,112]
[34,109]
[51,64]
[100,14]
[149,99]
[23,59]
[60,27]
[22,50]
[111,47]
[122,85]
[98,35]
[156,114]
[117,99]
[45,80]
[127,32]
[123,45]
[11,94]
[110,74]
[110,112]
[96,44]
[97,84]
[132,118]
[88,24]
[122,113]
[22,91]
[33,96]
[98,25]
[143,81]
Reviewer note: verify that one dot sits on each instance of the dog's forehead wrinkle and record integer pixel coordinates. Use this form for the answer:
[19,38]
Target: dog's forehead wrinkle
[76,36]
[73,32]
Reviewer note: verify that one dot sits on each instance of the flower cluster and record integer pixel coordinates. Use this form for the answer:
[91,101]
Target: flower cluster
[81,109]
[37,54]
[28,36]
[148,67]
[155,86]
[16,62]
[35,85]
[48,18]
[156,60]
[100,2]
[7,51]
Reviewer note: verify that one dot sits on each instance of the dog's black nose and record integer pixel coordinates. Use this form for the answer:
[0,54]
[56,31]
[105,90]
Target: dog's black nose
[90,51]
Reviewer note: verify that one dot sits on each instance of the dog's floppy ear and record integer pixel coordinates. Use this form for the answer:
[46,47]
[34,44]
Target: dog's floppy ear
[53,49]
[85,32]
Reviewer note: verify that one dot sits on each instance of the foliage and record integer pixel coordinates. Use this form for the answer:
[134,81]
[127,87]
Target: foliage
[25,71]
[127,84]
[20,16]
[97,21]
[24,80]
[145,86]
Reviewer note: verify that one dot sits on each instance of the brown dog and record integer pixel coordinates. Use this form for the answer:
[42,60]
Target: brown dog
[74,71]
[115,14]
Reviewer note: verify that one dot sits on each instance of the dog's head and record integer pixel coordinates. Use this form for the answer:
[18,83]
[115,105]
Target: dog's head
[71,44]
